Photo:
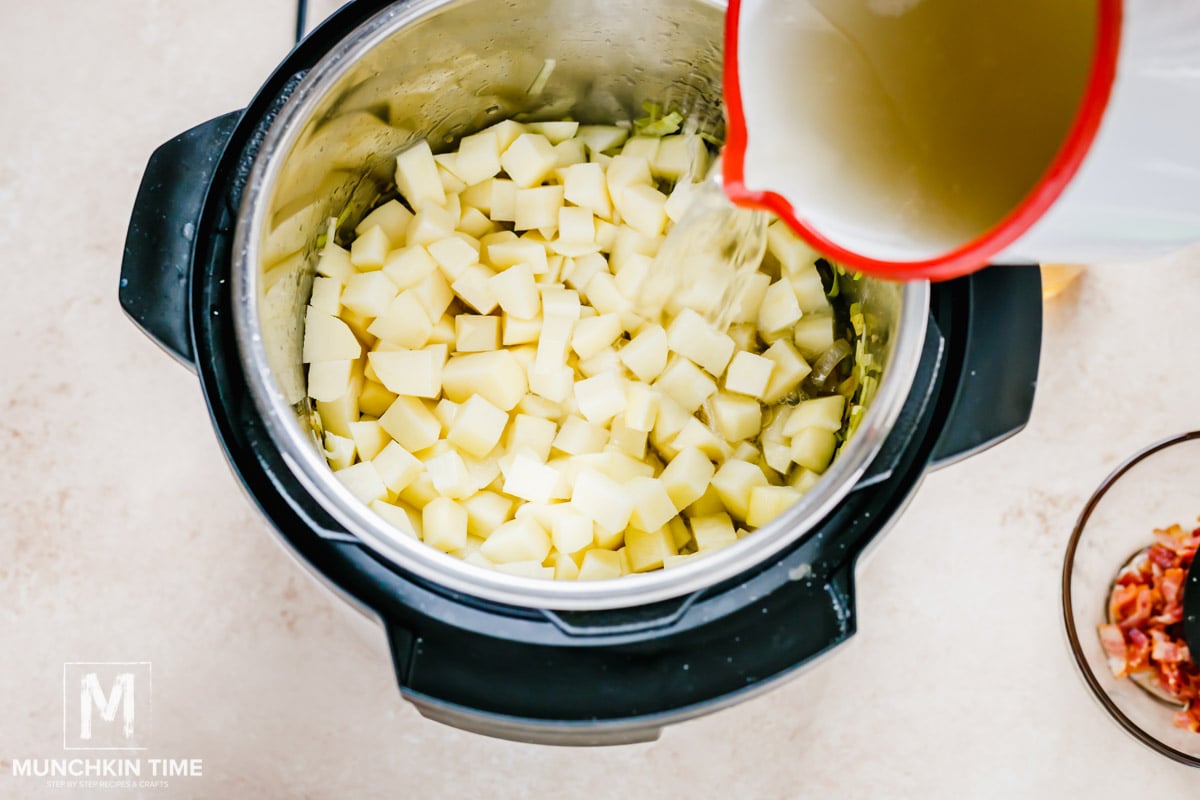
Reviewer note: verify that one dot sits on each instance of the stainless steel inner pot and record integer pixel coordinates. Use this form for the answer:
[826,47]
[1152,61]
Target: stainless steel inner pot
[441,69]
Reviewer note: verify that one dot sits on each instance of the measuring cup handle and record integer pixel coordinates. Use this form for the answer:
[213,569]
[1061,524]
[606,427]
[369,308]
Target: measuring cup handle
[1001,350]
[157,266]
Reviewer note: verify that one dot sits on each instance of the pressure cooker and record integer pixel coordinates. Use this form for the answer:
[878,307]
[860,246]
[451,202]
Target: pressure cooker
[217,268]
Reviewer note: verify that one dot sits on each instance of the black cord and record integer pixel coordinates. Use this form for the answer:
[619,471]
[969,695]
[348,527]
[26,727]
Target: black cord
[301,19]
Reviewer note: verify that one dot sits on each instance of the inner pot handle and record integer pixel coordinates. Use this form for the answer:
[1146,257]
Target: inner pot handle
[157,266]
[1001,350]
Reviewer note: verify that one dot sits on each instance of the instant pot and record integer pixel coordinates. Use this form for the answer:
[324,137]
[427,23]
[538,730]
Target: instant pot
[218,266]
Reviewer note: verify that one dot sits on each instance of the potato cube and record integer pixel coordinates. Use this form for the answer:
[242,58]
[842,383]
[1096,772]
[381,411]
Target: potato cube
[565,568]
[678,156]
[475,223]
[769,502]
[434,294]
[584,185]
[560,302]
[527,432]
[408,267]
[504,201]
[327,338]
[576,225]
[368,293]
[530,479]
[554,384]
[529,160]
[602,500]
[820,412]
[611,463]
[624,439]
[516,291]
[446,411]
[502,254]
[792,252]
[536,406]
[556,132]
[713,533]
[487,511]
[812,448]
[641,407]
[403,323]
[497,376]
[604,296]
[652,506]
[578,272]
[369,250]
[692,337]
[646,355]
[416,373]
[571,531]
[686,383]
[670,420]
[641,147]
[568,153]
[474,288]
[553,343]
[736,417]
[601,398]
[695,434]
[595,333]
[600,565]
[335,263]
[602,138]
[672,562]
[809,290]
[478,157]
[733,482]
[417,176]
[369,438]
[625,171]
[778,456]
[813,335]
[431,223]
[444,524]
[538,208]
[411,423]
[578,437]
[363,482]
[476,334]
[399,518]
[336,415]
[329,380]
[646,551]
[506,132]
[442,333]
[779,310]
[339,450]
[326,296]
[391,217]
[790,369]
[750,300]
[643,208]
[749,374]
[418,493]
[708,504]
[477,427]
[519,540]
[686,477]
[453,255]
[520,331]
[449,474]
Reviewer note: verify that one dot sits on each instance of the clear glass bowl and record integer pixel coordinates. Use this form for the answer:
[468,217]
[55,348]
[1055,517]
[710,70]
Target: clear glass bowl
[1153,489]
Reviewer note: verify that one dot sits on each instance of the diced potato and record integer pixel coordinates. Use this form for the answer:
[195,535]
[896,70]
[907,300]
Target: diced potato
[602,500]
[520,331]
[417,176]
[368,293]
[679,156]
[792,252]
[453,255]
[538,208]
[646,551]
[749,374]
[506,132]
[778,456]
[734,482]
[443,332]
[594,334]
[411,423]
[692,337]
[646,355]
[516,291]
[813,335]
[530,433]
[409,266]
[736,417]
[554,384]
[565,568]
[369,250]
[479,197]
[416,373]
[418,493]
[391,217]
[434,294]
[820,412]
[474,288]
[790,369]
[475,223]
[687,477]
[753,294]
[530,479]
[329,380]
[326,295]
[803,479]
[529,160]
[477,427]
[643,207]
[809,290]
[327,338]
[584,185]
[476,334]
[556,132]
[396,466]
[478,157]
[363,482]
[504,200]
[680,533]
[578,437]
[431,223]
[641,407]
[519,540]
[768,502]
[570,152]
[487,511]
[599,565]
[695,434]
[497,376]
[571,531]
[601,398]
[671,562]
[625,171]
[602,138]
[709,503]
[339,450]
[449,474]
[336,415]
[652,506]
[399,518]
[444,524]
[686,383]
[578,272]
[812,448]
[605,297]
[369,438]
[713,533]
[404,322]
[779,310]
[335,263]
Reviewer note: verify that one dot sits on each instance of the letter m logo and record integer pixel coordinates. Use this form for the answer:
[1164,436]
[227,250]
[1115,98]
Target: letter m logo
[106,705]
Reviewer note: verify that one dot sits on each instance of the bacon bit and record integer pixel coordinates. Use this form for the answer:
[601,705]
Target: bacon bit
[1145,610]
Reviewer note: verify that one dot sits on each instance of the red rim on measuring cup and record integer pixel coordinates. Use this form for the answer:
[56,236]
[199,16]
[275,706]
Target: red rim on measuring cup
[977,253]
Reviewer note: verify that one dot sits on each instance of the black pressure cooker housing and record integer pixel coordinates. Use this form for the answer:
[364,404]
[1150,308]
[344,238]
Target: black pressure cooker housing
[594,677]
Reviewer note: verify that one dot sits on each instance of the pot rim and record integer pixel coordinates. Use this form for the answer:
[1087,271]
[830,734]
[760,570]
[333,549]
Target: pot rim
[314,474]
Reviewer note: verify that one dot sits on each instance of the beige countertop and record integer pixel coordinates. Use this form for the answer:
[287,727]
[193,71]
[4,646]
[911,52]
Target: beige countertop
[124,537]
